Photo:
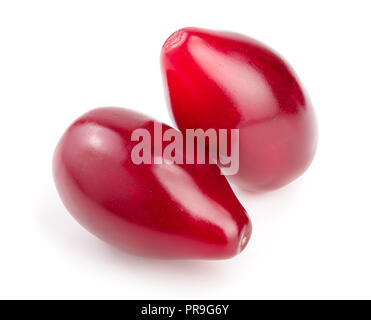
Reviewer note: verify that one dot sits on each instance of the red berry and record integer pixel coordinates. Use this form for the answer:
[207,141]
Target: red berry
[225,80]
[162,210]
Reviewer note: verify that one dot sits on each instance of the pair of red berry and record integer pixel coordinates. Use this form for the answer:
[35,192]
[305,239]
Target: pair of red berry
[216,80]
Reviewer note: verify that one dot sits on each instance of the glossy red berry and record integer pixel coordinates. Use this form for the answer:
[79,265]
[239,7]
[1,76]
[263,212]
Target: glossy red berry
[161,210]
[225,80]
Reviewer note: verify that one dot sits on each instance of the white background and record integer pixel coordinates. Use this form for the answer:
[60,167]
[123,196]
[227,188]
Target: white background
[58,59]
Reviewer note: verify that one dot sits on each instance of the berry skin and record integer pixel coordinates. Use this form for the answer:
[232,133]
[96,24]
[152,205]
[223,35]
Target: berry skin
[223,80]
[157,210]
